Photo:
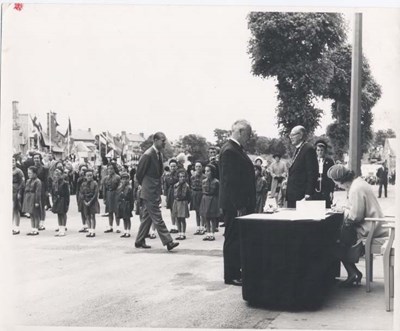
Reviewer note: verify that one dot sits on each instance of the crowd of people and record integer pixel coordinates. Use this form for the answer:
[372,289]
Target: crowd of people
[218,190]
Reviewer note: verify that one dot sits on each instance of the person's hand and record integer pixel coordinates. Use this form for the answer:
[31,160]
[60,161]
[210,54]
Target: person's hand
[241,212]
[18,196]
[307,196]
[36,205]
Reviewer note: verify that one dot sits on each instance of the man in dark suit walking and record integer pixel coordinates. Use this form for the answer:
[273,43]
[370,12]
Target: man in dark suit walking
[149,171]
[237,195]
[303,170]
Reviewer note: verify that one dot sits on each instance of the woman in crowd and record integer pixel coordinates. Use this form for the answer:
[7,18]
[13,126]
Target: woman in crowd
[125,203]
[33,200]
[18,183]
[361,203]
[89,192]
[209,208]
[180,208]
[60,197]
[196,186]
[110,185]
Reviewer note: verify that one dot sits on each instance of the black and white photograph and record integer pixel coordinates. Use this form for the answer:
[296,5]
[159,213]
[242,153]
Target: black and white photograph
[199,166]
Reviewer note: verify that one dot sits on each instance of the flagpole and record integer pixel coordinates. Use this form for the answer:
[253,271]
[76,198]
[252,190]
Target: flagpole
[50,132]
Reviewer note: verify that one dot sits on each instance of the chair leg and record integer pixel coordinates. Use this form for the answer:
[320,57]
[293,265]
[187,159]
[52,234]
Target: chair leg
[386,277]
[371,277]
[391,281]
[368,272]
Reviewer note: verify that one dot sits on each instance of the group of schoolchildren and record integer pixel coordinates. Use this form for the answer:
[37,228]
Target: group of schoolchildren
[183,192]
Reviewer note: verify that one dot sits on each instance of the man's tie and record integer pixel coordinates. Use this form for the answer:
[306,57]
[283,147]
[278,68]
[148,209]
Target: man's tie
[160,162]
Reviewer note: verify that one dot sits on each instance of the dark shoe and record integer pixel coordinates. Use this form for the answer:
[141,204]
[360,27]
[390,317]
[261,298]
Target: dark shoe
[172,245]
[41,228]
[179,238]
[351,281]
[236,282]
[202,232]
[142,245]
[32,233]
[127,235]
[212,238]
[82,230]
[109,231]
[14,232]
[118,231]
[173,231]
[206,238]
[152,236]
[89,235]
[197,232]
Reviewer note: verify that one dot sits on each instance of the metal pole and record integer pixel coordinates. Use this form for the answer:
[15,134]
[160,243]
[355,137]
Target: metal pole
[355,102]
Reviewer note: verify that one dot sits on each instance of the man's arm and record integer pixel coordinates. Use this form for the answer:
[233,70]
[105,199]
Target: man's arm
[143,165]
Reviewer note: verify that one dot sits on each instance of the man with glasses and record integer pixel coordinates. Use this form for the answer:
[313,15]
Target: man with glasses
[303,169]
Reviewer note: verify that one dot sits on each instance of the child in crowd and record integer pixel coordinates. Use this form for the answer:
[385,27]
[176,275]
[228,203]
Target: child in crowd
[89,192]
[79,201]
[170,181]
[33,199]
[60,197]
[196,183]
[18,183]
[180,208]
[110,185]
[261,189]
[209,209]
[125,203]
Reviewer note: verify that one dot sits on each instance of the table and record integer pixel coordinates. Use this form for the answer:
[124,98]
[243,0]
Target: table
[288,262]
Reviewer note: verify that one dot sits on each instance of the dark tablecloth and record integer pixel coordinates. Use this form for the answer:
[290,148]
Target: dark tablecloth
[288,264]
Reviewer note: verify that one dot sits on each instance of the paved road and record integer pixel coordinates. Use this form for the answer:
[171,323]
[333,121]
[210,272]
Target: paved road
[106,282]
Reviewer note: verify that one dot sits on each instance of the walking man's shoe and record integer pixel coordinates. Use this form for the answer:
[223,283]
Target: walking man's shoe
[172,245]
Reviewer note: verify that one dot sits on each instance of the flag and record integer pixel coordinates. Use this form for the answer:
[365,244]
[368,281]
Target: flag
[38,126]
[69,129]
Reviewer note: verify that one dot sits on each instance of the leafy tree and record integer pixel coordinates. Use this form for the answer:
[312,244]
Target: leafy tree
[262,145]
[293,48]
[339,89]
[222,136]
[277,146]
[195,145]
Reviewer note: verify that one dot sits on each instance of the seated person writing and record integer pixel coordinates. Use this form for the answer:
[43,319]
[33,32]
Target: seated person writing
[361,203]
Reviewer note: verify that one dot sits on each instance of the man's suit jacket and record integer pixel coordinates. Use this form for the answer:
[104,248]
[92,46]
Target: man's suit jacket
[149,174]
[302,174]
[237,179]
[327,184]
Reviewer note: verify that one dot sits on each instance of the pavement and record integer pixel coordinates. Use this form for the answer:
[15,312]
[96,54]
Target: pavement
[104,282]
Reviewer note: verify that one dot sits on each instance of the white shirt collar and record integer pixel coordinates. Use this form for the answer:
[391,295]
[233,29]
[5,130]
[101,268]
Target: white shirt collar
[233,139]
[297,146]
[155,149]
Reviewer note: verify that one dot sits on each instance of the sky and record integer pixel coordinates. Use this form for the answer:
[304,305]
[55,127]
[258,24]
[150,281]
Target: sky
[177,69]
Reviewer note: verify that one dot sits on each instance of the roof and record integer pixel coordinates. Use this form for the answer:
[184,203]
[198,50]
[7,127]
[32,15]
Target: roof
[135,137]
[82,135]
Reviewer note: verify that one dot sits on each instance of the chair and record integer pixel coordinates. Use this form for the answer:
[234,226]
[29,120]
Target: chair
[373,247]
[388,267]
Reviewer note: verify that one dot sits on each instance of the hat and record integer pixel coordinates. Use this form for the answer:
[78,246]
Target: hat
[338,172]
[259,158]
[124,175]
[321,143]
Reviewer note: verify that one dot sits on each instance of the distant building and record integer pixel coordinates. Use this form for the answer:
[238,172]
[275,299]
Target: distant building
[131,145]
[82,144]
[24,136]
[389,153]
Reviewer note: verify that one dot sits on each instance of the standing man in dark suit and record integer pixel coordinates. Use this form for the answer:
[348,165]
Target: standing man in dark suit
[382,175]
[148,175]
[237,195]
[303,170]
[325,186]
